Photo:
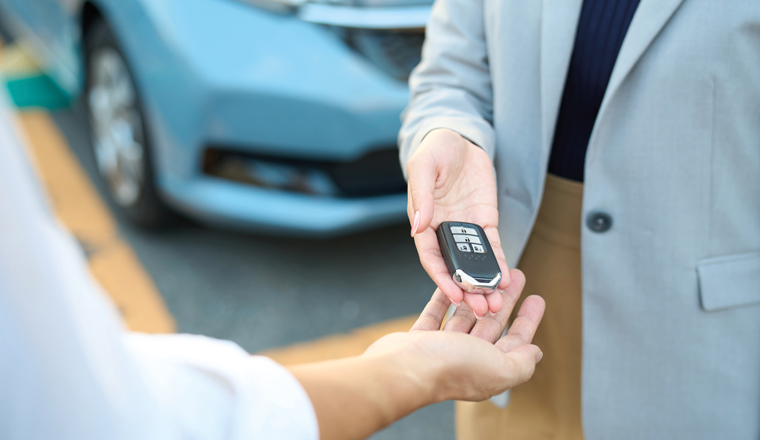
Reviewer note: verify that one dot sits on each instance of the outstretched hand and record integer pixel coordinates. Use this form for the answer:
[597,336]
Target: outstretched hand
[452,179]
[469,359]
[402,372]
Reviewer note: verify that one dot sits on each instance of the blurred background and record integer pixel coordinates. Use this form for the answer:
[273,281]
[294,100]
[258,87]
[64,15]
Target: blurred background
[229,167]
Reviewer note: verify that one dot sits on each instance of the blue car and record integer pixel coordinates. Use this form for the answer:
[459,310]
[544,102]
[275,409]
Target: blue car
[278,116]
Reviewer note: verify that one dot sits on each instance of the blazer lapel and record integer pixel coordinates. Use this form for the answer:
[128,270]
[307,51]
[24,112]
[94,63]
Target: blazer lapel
[558,27]
[559,22]
[649,19]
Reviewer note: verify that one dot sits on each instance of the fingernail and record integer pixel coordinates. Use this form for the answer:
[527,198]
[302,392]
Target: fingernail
[415,223]
[491,313]
[501,290]
[476,316]
[539,356]
[456,304]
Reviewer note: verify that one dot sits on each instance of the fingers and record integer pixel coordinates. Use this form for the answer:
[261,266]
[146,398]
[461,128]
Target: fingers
[493,237]
[512,294]
[432,261]
[461,321]
[522,363]
[422,171]
[477,303]
[524,327]
[494,301]
[491,328]
[432,315]
[466,319]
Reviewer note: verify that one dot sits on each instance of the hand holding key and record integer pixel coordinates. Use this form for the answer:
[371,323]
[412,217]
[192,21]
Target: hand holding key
[451,179]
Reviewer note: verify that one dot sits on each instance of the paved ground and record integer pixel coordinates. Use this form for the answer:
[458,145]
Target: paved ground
[267,292]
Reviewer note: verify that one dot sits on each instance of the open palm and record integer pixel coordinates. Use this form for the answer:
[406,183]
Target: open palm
[451,179]
[472,358]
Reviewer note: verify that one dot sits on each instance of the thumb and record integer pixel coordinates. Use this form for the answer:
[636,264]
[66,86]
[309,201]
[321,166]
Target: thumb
[423,172]
[522,363]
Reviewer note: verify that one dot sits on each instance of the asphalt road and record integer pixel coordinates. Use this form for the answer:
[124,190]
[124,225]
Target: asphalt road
[264,292]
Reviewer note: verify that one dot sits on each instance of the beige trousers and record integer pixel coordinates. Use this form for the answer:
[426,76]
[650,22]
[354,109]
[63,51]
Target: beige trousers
[547,406]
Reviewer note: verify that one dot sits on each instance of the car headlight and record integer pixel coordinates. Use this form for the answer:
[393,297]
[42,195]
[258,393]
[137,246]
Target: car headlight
[389,33]
[276,5]
[357,14]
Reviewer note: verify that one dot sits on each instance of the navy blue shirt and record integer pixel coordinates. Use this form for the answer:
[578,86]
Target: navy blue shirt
[601,29]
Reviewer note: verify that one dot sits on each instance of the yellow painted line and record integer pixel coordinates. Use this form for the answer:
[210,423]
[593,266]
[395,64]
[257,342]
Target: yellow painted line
[343,345]
[339,346]
[16,62]
[80,208]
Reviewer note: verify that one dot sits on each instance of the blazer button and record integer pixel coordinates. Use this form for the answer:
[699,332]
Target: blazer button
[599,221]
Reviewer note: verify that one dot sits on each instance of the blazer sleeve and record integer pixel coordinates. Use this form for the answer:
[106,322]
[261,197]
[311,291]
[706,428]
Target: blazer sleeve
[451,87]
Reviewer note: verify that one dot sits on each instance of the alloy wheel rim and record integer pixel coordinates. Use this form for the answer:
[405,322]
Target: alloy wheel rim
[116,126]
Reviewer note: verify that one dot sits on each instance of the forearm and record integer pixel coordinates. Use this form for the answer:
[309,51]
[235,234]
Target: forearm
[358,396]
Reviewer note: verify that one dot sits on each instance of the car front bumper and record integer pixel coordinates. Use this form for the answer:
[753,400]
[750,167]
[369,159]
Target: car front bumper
[216,72]
[232,205]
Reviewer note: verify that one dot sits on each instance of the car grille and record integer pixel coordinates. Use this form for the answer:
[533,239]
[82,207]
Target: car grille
[376,173]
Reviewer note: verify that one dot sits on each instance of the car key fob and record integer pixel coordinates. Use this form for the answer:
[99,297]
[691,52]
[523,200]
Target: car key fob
[469,257]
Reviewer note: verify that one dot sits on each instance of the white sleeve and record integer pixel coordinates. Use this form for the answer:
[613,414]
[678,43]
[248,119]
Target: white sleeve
[68,370]
[214,389]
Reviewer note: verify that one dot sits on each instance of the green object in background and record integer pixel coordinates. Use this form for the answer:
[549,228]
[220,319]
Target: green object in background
[36,90]
[27,84]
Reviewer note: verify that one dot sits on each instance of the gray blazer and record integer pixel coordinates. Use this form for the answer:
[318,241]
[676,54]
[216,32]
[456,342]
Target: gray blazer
[671,293]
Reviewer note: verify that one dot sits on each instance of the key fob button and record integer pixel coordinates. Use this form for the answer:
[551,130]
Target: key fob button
[463,230]
[468,256]
[464,247]
[466,239]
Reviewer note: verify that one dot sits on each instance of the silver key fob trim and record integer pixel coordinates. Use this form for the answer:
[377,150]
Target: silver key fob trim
[469,283]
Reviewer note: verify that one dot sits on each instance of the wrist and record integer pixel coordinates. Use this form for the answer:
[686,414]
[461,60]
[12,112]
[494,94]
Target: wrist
[408,382]
[354,397]
[438,134]
[423,376]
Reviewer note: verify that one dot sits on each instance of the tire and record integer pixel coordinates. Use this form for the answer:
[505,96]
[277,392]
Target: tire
[119,136]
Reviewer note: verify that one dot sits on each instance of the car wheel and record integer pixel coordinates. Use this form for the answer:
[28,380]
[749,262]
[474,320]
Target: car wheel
[118,132]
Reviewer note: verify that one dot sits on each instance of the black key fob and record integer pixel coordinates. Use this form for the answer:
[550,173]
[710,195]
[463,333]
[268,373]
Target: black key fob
[468,255]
